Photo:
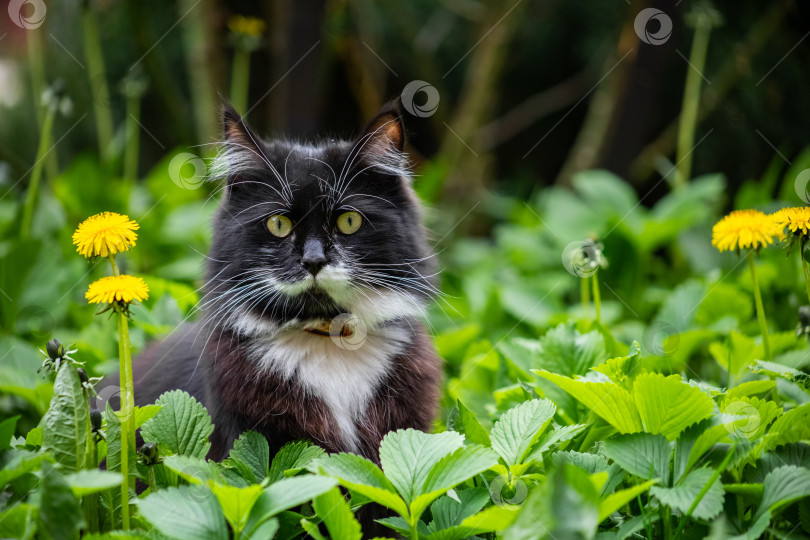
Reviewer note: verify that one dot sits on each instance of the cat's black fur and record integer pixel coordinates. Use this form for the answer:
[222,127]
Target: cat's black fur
[215,360]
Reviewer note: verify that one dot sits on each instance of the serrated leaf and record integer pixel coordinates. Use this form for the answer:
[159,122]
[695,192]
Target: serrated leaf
[782,486]
[182,425]
[450,471]
[667,405]
[607,400]
[66,424]
[293,458]
[683,495]
[290,492]
[494,518]
[473,431]
[362,476]
[337,515]
[185,513]
[89,481]
[590,463]
[448,512]
[566,351]
[549,438]
[792,426]
[642,454]
[194,470]
[773,369]
[252,450]
[518,429]
[236,502]
[408,455]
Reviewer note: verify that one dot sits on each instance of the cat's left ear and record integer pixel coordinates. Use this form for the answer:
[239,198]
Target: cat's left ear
[383,141]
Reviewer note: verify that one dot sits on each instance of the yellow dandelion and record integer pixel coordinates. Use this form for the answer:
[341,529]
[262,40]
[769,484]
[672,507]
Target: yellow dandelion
[249,26]
[121,288]
[105,234]
[795,220]
[744,229]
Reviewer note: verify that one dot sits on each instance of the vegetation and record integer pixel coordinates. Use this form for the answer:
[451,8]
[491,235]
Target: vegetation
[616,367]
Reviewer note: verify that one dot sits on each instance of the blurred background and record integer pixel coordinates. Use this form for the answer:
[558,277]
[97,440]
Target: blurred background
[533,125]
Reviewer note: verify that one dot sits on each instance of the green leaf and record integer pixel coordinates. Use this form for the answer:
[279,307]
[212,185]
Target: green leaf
[7,427]
[607,400]
[549,438]
[293,458]
[783,486]
[60,515]
[18,521]
[337,515]
[740,351]
[613,502]
[642,454]
[89,481]
[683,495]
[450,471]
[471,428]
[362,476]
[408,455]
[667,405]
[518,429]
[236,503]
[290,492]
[773,369]
[114,442]
[66,425]
[182,425]
[448,511]
[792,426]
[591,463]
[144,413]
[251,449]
[16,463]
[194,470]
[494,518]
[185,513]
[566,351]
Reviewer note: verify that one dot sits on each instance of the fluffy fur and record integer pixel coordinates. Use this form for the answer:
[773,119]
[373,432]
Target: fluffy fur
[260,359]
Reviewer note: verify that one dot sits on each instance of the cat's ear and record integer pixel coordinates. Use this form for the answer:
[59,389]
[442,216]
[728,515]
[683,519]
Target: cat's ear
[383,141]
[243,149]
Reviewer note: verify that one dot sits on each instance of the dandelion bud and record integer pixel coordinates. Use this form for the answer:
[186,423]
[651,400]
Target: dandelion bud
[149,453]
[55,349]
[95,420]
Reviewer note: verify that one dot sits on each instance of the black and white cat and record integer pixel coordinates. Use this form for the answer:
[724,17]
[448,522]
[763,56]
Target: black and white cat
[316,284]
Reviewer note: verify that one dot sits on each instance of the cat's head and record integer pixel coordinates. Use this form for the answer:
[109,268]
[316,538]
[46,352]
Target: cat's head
[308,232]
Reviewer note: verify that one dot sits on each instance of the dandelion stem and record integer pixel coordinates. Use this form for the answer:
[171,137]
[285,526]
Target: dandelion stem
[36,174]
[691,98]
[240,78]
[763,323]
[98,81]
[806,269]
[127,404]
[597,299]
[585,294]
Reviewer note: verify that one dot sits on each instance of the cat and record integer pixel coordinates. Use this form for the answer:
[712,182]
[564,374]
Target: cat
[316,286]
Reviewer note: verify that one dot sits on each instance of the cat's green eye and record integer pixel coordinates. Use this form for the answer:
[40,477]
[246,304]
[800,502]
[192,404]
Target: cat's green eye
[280,226]
[349,222]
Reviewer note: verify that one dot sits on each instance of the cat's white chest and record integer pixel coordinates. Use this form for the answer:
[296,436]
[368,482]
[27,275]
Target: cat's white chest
[344,379]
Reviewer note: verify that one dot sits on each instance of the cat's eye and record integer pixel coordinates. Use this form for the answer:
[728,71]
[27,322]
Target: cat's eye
[349,222]
[279,225]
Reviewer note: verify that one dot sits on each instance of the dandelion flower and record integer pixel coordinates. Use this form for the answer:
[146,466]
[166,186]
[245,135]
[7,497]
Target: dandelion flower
[248,26]
[795,220]
[744,229]
[121,288]
[105,234]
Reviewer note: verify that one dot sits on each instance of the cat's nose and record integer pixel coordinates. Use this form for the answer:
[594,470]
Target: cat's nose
[313,258]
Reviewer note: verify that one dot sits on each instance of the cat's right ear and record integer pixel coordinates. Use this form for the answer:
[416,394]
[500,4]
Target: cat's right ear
[243,150]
